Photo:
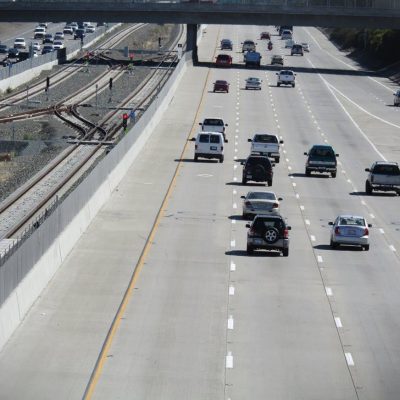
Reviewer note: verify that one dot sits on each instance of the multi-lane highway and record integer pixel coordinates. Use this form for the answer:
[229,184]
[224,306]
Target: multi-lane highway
[199,318]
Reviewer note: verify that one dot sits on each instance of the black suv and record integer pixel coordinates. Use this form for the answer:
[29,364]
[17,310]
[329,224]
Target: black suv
[321,158]
[258,169]
[268,232]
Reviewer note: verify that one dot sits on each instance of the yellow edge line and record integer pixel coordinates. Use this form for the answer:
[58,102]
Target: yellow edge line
[95,376]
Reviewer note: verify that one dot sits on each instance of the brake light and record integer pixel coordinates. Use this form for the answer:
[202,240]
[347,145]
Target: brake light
[337,231]
[366,232]
[275,205]
[286,233]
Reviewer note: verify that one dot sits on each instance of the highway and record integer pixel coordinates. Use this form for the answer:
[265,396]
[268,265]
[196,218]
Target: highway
[199,318]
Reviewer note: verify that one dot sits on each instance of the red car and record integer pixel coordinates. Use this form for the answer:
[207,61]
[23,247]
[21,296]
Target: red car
[221,86]
[223,60]
[265,35]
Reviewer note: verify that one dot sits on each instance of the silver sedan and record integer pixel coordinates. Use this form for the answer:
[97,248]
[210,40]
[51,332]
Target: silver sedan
[350,230]
[260,203]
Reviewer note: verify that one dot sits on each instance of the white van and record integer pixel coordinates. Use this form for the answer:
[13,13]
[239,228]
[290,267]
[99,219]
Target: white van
[213,125]
[209,145]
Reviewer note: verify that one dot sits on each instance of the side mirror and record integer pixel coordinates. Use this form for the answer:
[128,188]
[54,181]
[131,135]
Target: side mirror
[241,162]
[249,140]
[330,223]
[193,139]
[367,169]
[289,228]
[369,225]
[226,124]
[225,140]
[276,73]
[247,225]
[242,197]
[295,74]
[273,164]
[337,155]
[200,123]
[280,198]
[305,153]
[281,141]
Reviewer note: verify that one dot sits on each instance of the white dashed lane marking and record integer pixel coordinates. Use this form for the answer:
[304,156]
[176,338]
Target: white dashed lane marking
[231,290]
[233,243]
[328,291]
[319,259]
[229,360]
[233,265]
[230,322]
[338,322]
[349,359]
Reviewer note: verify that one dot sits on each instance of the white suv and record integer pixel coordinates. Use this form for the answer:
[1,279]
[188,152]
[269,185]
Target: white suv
[19,43]
[209,145]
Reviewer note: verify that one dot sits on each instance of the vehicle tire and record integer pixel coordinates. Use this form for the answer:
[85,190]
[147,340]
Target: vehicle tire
[270,182]
[333,174]
[245,216]
[285,252]
[271,235]
[249,249]
[333,244]
[278,84]
[259,173]
[293,84]
[308,172]
[221,159]
[244,181]
[196,158]
[214,91]
[277,159]
[368,187]
[366,247]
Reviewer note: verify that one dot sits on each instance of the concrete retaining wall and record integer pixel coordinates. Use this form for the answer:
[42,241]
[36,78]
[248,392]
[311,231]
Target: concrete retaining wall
[27,272]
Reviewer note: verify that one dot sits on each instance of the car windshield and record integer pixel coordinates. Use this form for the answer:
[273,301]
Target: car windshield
[261,196]
[214,139]
[265,139]
[213,121]
[387,170]
[356,221]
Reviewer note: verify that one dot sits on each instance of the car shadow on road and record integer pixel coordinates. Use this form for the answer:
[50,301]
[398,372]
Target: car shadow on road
[340,248]
[243,253]
[302,175]
[237,217]
[375,194]
[198,161]
[239,183]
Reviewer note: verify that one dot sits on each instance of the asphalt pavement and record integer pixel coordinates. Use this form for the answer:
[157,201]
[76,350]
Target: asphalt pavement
[201,319]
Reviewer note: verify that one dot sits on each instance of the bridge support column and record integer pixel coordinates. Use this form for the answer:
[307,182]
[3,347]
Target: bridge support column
[191,41]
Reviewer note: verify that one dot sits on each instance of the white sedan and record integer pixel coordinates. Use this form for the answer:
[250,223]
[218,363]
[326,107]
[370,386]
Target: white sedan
[58,44]
[258,203]
[350,230]
[253,83]
[306,47]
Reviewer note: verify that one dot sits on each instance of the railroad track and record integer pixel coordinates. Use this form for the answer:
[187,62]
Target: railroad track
[22,208]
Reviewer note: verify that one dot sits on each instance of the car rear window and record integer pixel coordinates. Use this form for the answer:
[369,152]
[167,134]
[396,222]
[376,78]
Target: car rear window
[213,121]
[223,57]
[221,82]
[264,224]
[258,160]
[386,170]
[352,221]
[261,195]
[215,139]
[322,152]
[265,139]
[204,139]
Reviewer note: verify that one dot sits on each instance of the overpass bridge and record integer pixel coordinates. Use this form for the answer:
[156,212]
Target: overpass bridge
[324,13]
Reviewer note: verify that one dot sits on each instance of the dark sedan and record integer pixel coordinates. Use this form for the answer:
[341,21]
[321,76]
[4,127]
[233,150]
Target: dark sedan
[221,86]
[226,44]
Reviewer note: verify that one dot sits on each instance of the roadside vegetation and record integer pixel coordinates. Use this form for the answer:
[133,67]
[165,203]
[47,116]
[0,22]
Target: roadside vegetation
[377,47]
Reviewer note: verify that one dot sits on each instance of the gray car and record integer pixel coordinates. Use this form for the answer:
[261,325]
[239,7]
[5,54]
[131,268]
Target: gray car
[256,203]
[350,230]
[268,232]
